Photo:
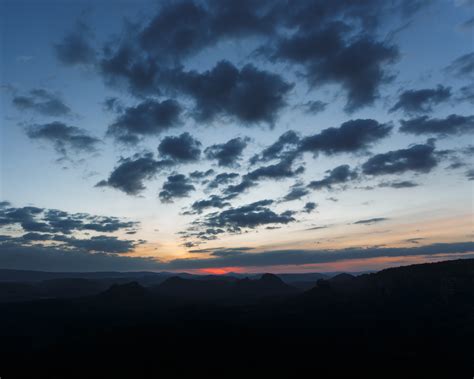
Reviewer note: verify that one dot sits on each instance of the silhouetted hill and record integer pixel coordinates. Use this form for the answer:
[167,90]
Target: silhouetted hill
[341,278]
[406,321]
[213,289]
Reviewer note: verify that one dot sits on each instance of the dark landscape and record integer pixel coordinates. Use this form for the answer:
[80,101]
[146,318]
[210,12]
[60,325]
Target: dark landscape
[416,319]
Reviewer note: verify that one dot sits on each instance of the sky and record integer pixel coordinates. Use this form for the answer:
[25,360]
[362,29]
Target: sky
[252,136]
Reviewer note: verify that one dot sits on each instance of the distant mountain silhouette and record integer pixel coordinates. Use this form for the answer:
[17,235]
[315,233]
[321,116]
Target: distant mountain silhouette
[409,320]
[220,289]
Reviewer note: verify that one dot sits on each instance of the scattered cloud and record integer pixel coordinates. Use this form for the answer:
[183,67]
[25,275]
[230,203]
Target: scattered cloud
[418,158]
[422,100]
[42,102]
[176,186]
[227,154]
[183,148]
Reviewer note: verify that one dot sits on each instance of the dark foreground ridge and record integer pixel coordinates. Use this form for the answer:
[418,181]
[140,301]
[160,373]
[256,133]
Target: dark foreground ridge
[414,319]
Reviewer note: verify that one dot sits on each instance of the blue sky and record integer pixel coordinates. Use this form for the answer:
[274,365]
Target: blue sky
[403,72]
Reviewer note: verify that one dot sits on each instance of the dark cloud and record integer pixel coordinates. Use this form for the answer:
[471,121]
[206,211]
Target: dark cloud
[285,144]
[227,154]
[280,170]
[352,136]
[148,118]
[131,172]
[422,100]
[451,125]
[113,104]
[295,193]
[223,178]
[178,31]
[4,204]
[176,186]
[233,190]
[357,64]
[34,219]
[32,236]
[76,47]
[26,217]
[201,174]
[127,66]
[314,106]
[339,175]
[104,244]
[48,258]
[65,139]
[43,102]
[247,216]
[183,148]
[249,95]
[301,257]
[371,221]
[309,207]
[419,158]
[213,201]
[463,66]
[399,184]
[181,29]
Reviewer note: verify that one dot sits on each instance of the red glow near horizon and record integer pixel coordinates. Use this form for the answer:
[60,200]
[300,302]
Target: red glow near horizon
[220,270]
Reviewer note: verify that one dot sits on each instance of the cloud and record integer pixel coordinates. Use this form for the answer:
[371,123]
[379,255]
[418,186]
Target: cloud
[280,170]
[148,118]
[285,145]
[463,66]
[227,154]
[314,106]
[130,174]
[247,216]
[351,137]
[42,102]
[302,257]
[233,190]
[66,260]
[451,125]
[249,95]
[181,29]
[64,138]
[54,229]
[371,221]
[338,175]
[76,48]
[399,184]
[309,207]
[113,104]
[201,174]
[419,158]
[104,244]
[176,32]
[213,201]
[222,178]
[422,100]
[176,186]
[295,193]
[34,219]
[183,148]
[357,64]
[26,217]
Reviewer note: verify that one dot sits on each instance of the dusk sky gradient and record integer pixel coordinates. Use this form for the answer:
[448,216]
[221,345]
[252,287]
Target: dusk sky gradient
[248,136]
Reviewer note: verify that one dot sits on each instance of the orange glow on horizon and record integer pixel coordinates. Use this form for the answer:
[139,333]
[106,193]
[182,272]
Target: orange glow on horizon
[220,270]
